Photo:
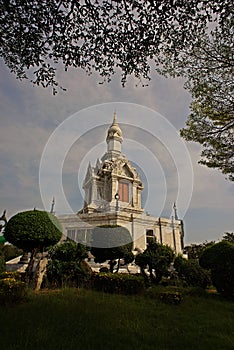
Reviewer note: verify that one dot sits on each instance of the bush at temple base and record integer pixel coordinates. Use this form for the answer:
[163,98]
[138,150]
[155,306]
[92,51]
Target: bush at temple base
[12,289]
[118,283]
[67,265]
[219,258]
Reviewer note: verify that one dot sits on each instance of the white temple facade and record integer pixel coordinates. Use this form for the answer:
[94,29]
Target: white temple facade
[112,191]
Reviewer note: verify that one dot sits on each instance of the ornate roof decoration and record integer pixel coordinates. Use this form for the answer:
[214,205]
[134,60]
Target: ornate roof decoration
[114,130]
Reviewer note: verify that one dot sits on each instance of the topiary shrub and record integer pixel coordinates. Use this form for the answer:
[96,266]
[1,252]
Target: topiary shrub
[12,289]
[33,231]
[118,283]
[9,274]
[9,251]
[156,259]
[219,258]
[192,273]
[67,266]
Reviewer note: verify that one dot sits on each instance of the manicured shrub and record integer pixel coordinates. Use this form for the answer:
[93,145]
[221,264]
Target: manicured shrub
[179,262]
[67,266]
[33,231]
[117,283]
[9,251]
[8,274]
[192,273]
[12,289]
[65,274]
[156,259]
[220,260]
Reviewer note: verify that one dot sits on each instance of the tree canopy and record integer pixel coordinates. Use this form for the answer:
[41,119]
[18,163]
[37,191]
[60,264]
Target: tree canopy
[102,36]
[193,39]
[228,236]
[211,83]
[157,259]
[219,258]
[194,251]
[67,264]
[33,229]
[68,251]
[191,273]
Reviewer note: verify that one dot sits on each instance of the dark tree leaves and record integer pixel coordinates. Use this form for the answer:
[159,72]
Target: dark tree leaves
[104,36]
[193,39]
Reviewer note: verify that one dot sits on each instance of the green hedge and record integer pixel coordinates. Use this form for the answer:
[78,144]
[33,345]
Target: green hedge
[219,259]
[118,283]
[12,289]
[9,251]
[192,273]
[66,274]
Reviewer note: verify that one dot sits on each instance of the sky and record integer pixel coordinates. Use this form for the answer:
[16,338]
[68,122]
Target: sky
[47,142]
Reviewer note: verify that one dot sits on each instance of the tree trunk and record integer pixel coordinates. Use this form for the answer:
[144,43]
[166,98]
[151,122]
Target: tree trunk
[29,273]
[112,264]
[36,269]
[117,270]
[40,273]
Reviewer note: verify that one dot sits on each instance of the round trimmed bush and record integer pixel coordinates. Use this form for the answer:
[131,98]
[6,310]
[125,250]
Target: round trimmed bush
[118,283]
[12,289]
[192,273]
[219,258]
[67,266]
[33,229]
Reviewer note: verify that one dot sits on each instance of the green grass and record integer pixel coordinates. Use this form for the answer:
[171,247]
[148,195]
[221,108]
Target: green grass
[80,319]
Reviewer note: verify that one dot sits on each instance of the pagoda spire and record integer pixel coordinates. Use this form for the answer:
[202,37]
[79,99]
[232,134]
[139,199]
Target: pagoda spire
[115,119]
[114,139]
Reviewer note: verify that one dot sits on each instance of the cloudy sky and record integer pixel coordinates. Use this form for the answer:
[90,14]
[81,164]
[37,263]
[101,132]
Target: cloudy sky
[47,142]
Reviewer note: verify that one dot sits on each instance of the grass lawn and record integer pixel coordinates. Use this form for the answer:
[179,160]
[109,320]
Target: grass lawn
[81,319]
